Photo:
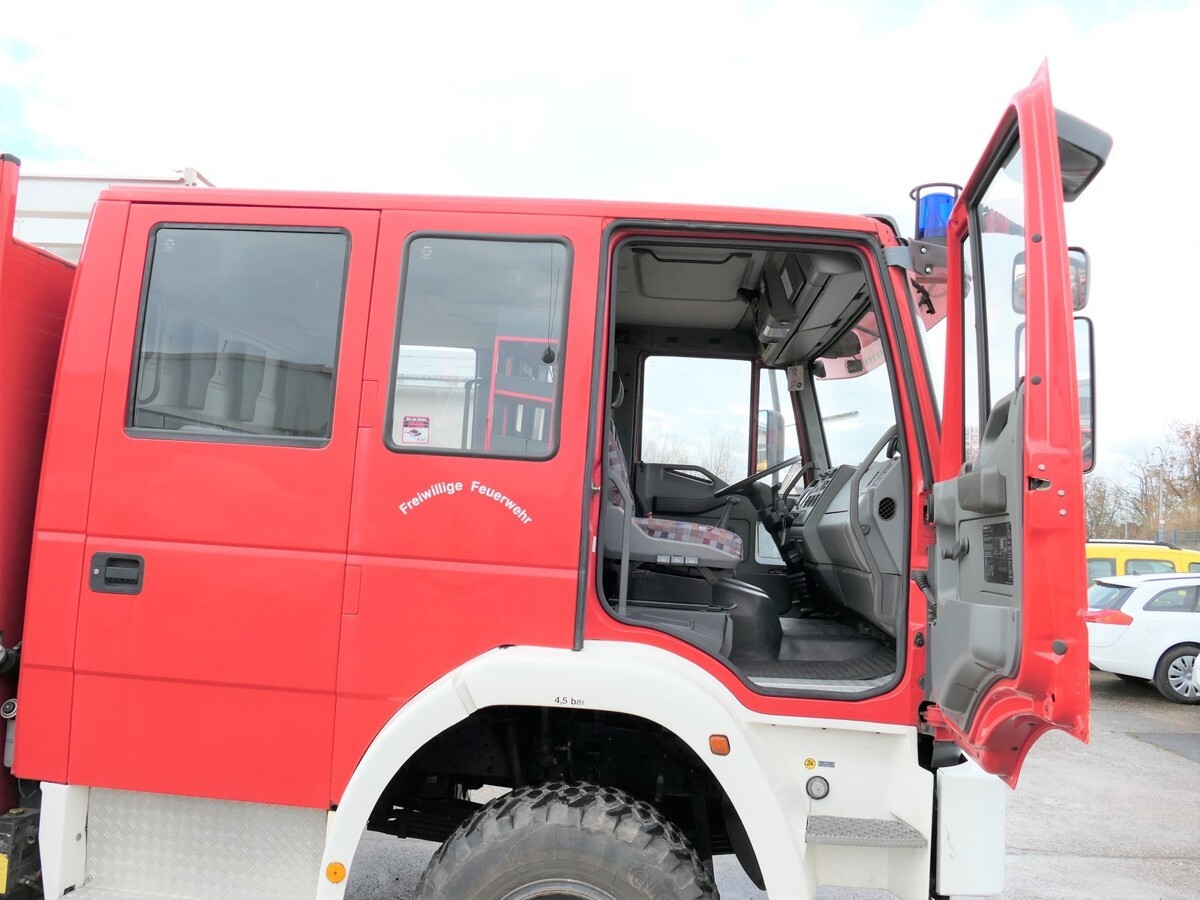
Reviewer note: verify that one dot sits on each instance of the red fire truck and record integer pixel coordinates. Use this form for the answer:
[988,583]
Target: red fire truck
[330,512]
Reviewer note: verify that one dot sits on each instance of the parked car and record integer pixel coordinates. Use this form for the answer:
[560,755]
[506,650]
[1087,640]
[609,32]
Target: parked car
[1143,627]
[1114,557]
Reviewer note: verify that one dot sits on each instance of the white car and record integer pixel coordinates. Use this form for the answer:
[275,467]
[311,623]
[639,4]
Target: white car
[1144,627]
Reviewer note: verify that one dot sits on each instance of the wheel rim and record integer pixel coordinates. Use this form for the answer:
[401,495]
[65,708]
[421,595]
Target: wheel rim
[558,889]
[1179,676]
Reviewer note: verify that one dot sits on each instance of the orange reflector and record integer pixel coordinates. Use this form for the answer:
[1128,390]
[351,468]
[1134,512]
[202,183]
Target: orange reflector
[718,744]
[335,872]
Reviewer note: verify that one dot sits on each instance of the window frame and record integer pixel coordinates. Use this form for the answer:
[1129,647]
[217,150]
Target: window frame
[143,432]
[556,406]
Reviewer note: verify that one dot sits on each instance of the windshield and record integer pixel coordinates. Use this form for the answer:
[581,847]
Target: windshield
[854,393]
[1107,596]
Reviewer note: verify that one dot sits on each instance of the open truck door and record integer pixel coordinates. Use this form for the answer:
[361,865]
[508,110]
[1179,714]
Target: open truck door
[1008,649]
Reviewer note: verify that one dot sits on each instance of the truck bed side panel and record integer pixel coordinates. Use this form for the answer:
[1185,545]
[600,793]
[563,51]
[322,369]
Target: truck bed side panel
[57,561]
[34,289]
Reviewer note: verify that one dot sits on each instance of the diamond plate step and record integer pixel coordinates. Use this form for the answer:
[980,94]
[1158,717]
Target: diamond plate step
[841,831]
[160,847]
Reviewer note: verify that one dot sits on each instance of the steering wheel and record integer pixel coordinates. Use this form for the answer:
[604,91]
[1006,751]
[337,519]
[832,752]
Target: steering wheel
[739,486]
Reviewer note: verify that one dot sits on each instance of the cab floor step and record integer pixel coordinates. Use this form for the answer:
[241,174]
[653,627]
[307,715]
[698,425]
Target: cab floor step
[103,893]
[841,831]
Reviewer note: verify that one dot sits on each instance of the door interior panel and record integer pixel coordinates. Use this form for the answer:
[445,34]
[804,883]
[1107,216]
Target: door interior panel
[977,514]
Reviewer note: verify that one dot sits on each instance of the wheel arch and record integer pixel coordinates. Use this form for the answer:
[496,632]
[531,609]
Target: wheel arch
[631,679]
[1178,645]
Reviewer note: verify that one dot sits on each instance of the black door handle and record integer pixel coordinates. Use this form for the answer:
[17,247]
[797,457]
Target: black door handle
[116,573]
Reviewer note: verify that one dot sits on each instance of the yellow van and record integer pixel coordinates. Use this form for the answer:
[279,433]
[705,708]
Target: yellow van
[1106,558]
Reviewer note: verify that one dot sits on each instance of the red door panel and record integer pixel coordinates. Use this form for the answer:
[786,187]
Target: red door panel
[488,555]
[1008,647]
[223,665]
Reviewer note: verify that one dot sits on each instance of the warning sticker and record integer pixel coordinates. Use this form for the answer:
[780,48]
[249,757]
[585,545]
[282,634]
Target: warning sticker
[998,553]
[416,430]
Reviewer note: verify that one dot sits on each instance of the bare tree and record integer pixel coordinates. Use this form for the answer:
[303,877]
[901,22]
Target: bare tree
[1167,485]
[1182,476]
[665,447]
[721,456]
[721,451]
[1110,507]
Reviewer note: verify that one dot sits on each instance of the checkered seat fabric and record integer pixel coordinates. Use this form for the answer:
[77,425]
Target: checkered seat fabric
[691,533]
[699,544]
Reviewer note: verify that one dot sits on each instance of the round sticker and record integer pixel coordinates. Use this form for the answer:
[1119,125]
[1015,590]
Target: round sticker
[810,763]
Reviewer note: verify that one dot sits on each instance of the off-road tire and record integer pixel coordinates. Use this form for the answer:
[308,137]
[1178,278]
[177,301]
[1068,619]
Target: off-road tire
[566,841]
[1168,675]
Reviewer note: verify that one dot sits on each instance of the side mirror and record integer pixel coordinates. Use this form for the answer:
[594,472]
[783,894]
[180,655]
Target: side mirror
[1085,373]
[1082,151]
[1078,263]
[770,439]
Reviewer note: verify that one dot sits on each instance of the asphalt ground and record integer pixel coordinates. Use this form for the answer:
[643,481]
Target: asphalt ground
[1118,818]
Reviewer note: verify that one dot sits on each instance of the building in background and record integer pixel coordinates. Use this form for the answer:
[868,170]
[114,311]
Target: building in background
[53,210]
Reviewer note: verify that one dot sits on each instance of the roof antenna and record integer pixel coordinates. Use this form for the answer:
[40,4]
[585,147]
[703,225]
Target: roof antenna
[549,355]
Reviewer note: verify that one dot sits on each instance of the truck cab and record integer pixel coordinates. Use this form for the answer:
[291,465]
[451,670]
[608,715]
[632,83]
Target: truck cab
[728,528]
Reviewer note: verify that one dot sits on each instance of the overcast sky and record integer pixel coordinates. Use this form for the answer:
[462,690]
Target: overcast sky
[841,105]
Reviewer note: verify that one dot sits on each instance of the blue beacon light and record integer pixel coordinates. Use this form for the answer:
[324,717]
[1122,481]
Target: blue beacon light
[934,202]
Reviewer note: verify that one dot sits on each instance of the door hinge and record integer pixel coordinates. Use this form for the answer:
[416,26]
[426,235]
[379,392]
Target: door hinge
[919,257]
[931,714]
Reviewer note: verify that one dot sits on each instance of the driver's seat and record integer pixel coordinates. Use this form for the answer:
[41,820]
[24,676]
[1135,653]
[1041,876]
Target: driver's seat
[742,618]
[667,542]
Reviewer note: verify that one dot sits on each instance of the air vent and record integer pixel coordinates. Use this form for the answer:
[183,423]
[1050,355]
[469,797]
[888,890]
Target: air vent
[887,508]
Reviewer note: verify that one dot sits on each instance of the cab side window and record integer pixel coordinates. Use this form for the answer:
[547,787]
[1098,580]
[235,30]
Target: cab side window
[1148,566]
[479,355]
[238,334]
[1194,567]
[696,411]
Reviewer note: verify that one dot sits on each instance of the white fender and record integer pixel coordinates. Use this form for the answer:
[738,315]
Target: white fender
[618,677]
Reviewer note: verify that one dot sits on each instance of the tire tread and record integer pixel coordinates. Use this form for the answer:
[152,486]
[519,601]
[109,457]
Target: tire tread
[602,810]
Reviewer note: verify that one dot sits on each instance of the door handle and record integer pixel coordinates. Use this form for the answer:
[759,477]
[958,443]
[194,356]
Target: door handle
[957,550]
[116,573]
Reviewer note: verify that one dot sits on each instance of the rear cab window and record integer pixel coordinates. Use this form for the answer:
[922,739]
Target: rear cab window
[239,333]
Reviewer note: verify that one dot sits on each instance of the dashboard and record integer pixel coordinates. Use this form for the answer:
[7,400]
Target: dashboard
[822,530]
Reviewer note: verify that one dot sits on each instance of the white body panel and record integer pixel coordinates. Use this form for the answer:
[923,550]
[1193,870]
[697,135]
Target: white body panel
[155,845]
[874,772]
[62,837]
[871,768]
[970,847]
